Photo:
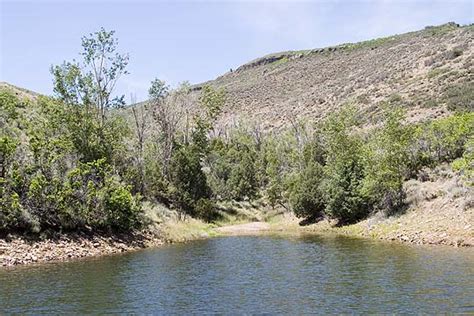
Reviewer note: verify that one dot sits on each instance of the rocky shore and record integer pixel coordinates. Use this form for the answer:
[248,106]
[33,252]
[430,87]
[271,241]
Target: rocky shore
[17,250]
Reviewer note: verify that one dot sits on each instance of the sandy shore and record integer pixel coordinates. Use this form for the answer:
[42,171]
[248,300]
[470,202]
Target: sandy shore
[244,229]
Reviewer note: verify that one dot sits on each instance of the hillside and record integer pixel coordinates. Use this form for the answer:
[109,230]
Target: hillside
[114,180]
[18,92]
[427,71]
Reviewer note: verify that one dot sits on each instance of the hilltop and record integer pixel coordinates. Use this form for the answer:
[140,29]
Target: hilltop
[19,92]
[427,71]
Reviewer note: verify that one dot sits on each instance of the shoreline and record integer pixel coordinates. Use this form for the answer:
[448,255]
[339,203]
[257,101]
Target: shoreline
[20,250]
[24,251]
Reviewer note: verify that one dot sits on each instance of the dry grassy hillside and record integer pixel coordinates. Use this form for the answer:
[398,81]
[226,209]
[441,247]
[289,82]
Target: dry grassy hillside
[428,71]
[19,92]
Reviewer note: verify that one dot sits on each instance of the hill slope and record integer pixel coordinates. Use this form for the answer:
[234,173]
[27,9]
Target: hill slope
[427,71]
[19,92]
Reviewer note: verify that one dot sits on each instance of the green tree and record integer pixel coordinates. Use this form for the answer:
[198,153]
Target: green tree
[211,102]
[387,162]
[188,181]
[344,169]
[87,88]
[92,82]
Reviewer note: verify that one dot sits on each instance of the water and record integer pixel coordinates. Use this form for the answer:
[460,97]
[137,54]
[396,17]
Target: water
[237,275]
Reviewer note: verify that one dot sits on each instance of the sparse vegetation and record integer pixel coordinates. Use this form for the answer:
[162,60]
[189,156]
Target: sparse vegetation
[460,97]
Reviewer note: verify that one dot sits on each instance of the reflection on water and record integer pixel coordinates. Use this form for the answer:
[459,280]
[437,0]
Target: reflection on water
[251,275]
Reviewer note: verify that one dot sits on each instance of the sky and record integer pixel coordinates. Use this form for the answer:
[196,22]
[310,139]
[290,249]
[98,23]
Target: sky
[196,40]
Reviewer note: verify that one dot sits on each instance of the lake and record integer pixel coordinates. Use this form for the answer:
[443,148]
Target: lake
[250,275]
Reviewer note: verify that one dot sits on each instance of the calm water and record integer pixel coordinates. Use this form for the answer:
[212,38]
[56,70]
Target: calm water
[251,275]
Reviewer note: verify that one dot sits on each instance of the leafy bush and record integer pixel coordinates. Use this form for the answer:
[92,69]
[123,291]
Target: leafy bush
[387,162]
[465,164]
[445,138]
[233,168]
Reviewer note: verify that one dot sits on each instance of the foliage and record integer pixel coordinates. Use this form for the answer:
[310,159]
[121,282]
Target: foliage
[344,169]
[188,181]
[91,83]
[211,102]
[274,171]
[460,97]
[386,162]
[465,164]
[87,89]
[99,198]
[72,163]
[445,138]
[305,196]
[159,90]
[232,168]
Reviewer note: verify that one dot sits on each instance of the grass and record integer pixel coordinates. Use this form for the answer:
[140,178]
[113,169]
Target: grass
[233,213]
[436,72]
[369,44]
[186,230]
[280,61]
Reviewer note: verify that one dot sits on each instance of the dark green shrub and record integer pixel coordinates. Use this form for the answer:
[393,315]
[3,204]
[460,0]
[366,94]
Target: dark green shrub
[233,169]
[305,196]
[188,180]
[206,210]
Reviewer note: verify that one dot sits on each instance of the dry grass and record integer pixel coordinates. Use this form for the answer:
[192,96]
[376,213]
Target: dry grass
[418,66]
[186,230]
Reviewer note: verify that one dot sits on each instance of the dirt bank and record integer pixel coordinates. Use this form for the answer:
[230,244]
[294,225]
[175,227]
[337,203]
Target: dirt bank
[17,250]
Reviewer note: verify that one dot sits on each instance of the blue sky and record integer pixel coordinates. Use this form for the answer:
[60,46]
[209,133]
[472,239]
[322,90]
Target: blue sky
[196,40]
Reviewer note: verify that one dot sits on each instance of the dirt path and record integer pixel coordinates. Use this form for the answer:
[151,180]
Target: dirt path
[244,229]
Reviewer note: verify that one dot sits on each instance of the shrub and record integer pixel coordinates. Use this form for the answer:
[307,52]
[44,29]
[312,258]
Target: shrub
[460,97]
[305,196]
[188,181]
[465,164]
[206,210]
[93,196]
[233,168]
[446,137]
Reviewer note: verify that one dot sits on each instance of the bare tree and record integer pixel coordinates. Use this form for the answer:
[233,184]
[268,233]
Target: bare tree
[170,109]
[140,116]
